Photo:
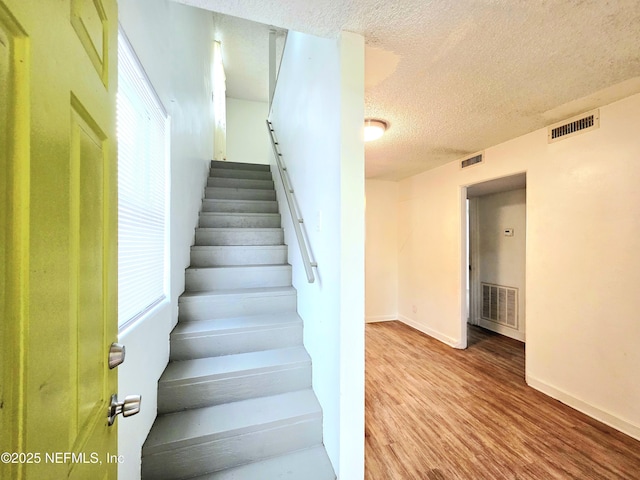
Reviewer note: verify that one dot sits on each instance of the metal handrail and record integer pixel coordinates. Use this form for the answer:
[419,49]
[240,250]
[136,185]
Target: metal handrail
[296,217]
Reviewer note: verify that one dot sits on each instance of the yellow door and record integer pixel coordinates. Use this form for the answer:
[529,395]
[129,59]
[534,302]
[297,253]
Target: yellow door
[58,243]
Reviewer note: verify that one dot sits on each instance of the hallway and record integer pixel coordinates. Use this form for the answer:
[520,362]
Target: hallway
[433,412]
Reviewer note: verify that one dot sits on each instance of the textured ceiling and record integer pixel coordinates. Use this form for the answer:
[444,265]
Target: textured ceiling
[455,77]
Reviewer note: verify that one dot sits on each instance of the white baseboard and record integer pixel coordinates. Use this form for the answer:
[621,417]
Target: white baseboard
[432,333]
[501,329]
[594,412]
[381,318]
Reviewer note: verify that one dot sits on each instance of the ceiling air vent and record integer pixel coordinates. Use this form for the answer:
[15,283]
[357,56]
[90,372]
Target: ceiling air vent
[574,126]
[471,161]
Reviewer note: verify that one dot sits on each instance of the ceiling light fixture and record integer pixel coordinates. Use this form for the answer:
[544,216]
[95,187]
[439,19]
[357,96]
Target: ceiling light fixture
[374,129]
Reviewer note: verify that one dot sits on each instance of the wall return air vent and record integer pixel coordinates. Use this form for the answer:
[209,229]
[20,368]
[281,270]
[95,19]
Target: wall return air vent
[574,126]
[471,161]
[500,304]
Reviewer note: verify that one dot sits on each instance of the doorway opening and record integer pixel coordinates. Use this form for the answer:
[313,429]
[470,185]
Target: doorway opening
[494,252]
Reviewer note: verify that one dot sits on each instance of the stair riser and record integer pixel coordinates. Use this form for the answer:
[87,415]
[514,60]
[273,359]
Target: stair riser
[240,221]
[238,194]
[210,205]
[225,256]
[240,183]
[216,392]
[235,306]
[203,280]
[250,237]
[308,464]
[240,166]
[230,173]
[232,451]
[217,344]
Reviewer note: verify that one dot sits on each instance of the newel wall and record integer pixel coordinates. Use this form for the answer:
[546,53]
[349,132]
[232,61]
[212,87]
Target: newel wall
[317,112]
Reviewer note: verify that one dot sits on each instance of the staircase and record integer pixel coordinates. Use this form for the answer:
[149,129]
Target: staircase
[235,401]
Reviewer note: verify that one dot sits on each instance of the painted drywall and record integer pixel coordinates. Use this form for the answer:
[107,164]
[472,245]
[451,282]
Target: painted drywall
[247,136]
[352,281]
[381,251]
[583,261]
[501,259]
[317,114]
[173,43]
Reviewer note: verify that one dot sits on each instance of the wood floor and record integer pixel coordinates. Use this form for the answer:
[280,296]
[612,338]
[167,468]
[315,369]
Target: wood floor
[433,412]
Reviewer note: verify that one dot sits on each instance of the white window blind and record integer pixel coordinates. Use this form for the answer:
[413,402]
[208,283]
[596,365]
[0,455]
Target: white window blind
[143,128]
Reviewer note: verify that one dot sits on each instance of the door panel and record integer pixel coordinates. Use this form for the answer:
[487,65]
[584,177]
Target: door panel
[63,313]
[91,24]
[87,246]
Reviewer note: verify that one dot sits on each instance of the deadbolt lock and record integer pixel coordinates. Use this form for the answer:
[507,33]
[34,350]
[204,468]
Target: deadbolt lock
[116,355]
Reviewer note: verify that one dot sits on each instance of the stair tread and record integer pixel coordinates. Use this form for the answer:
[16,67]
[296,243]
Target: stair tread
[211,368]
[229,255]
[238,205]
[215,172]
[194,296]
[236,200]
[209,247]
[190,427]
[270,266]
[216,181]
[239,229]
[216,187]
[235,324]
[240,165]
[235,193]
[259,180]
[244,265]
[239,214]
[310,464]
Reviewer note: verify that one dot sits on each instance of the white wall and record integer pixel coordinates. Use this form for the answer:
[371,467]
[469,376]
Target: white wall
[583,260]
[173,42]
[381,251]
[247,135]
[317,114]
[501,259]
